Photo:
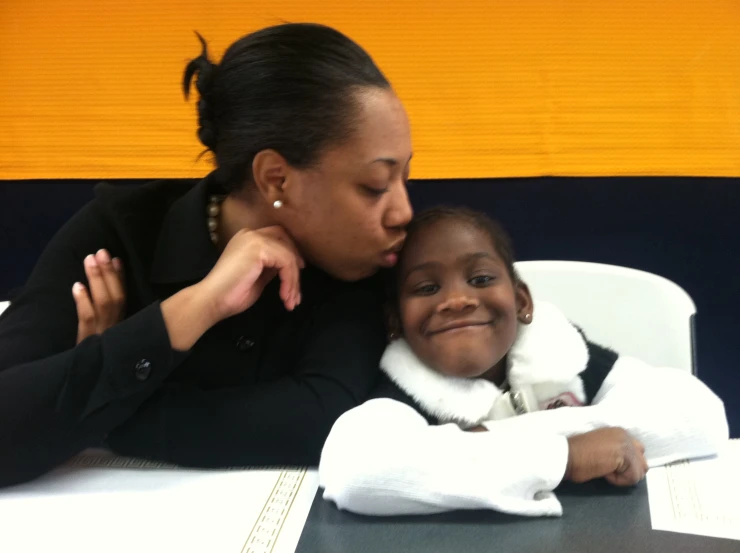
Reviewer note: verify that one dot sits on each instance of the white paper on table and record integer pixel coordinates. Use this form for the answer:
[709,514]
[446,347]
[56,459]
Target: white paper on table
[698,497]
[99,502]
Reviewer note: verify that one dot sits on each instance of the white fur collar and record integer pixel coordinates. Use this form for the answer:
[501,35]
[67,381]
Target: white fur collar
[544,361]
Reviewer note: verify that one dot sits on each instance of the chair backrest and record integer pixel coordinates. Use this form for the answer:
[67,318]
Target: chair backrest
[633,312]
[3,306]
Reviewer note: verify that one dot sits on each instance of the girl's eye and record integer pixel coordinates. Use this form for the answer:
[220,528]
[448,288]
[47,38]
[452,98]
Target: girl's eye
[426,289]
[482,280]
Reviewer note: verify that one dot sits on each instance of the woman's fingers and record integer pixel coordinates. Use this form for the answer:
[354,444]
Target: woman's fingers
[106,289]
[96,285]
[289,274]
[100,304]
[250,260]
[85,312]
[288,262]
[278,233]
[110,312]
[281,258]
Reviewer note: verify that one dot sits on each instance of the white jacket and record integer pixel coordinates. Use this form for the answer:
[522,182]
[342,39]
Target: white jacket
[385,458]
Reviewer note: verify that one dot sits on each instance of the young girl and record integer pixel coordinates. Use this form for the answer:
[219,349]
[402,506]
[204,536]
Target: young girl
[491,399]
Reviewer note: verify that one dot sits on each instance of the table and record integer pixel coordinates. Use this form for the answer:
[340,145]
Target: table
[598,518]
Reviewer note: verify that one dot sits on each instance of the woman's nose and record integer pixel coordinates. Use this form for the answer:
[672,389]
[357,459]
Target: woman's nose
[399,212]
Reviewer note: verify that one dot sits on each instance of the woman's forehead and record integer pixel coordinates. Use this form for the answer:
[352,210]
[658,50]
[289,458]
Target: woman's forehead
[381,137]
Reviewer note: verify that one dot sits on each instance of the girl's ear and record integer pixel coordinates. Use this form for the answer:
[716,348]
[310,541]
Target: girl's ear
[392,323]
[524,303]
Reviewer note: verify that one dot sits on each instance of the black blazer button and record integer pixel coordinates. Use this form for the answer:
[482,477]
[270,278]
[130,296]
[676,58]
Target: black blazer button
[143,369]
[243,343]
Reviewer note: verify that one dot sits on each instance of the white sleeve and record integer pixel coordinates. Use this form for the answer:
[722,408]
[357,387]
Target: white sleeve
[382,458]
[674,414]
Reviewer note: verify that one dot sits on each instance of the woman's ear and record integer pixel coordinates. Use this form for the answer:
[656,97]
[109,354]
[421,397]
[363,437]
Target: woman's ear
[524,303]
[269,170]
[392,323]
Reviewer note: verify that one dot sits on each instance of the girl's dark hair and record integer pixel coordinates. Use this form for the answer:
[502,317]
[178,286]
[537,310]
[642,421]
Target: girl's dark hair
[287,88]
[500,238]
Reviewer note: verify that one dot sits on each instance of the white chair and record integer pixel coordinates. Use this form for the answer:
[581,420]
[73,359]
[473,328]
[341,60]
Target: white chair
[633,312]
[3,306]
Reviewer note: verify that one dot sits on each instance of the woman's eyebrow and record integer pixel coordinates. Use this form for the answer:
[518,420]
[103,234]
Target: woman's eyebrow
[387,160]
[390,161]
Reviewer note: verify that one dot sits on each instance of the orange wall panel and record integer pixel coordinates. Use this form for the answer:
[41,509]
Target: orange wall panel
[90,89]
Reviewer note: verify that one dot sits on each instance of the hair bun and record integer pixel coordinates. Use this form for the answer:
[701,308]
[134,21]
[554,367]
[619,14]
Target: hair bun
[205,70]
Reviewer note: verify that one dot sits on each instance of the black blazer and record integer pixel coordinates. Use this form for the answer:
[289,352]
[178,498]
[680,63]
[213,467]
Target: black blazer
[263,387]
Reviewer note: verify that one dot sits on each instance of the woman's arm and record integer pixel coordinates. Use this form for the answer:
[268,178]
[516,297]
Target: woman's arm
[671,412]
[57,399]
[281,422]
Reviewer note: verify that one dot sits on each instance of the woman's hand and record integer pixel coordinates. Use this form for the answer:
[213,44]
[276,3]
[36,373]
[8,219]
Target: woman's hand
[101,305]
[609,453]
[251,259]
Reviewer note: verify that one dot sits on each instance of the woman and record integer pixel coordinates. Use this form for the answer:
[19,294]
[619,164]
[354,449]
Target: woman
[233,321]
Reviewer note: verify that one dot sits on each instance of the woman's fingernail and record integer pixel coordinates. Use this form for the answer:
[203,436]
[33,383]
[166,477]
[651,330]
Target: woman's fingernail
[77,288]
[117,265]
[90,261]
[103,256]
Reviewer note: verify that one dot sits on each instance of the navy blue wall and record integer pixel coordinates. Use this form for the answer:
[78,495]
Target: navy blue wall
[686,229]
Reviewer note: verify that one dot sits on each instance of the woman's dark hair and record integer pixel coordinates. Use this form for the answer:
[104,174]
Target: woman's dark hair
[287,88]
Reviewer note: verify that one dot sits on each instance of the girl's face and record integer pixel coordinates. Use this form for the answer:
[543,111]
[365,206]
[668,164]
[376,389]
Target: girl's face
[459,309]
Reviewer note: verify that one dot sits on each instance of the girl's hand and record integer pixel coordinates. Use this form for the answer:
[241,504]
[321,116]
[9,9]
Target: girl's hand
[609,453]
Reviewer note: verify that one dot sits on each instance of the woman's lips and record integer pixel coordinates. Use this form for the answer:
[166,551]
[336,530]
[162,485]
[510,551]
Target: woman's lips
[390,256]
[389,259]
